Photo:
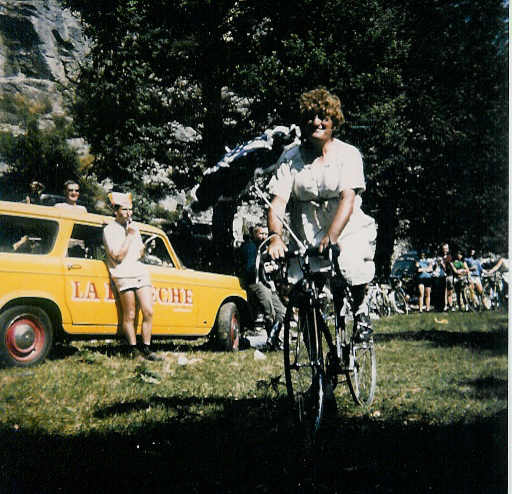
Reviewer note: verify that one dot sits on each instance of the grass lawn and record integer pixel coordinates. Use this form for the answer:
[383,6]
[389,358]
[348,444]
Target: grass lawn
[90,420]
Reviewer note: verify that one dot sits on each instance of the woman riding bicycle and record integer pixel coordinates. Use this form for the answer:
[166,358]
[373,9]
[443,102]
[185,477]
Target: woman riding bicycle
[322,179]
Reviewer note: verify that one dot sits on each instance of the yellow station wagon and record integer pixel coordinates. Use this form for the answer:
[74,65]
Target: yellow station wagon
[55,283]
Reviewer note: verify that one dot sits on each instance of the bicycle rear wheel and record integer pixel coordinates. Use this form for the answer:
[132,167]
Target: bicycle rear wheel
[362,376]
[304,368]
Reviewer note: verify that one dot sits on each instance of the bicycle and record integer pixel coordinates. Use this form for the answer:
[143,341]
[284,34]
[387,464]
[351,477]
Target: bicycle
[378,301]
[494,298]
[321,347]
[471,298]
[398,297]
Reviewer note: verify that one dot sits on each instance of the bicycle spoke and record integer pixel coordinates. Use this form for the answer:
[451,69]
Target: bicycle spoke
[362,378]
[303,362]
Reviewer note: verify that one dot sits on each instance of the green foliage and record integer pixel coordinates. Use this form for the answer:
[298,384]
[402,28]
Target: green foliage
[423,86]
[42,155]
[457,100]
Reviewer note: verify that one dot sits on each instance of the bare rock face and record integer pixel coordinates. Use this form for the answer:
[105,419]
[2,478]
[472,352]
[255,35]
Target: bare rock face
[40,43]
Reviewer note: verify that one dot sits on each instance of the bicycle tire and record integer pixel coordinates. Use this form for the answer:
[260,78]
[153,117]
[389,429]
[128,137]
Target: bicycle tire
[401,302]
[383,308]
[304,369]
[487,297]
[471,298]
[362,377]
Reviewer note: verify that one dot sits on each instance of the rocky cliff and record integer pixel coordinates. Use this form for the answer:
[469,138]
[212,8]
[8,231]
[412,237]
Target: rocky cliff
[40,43]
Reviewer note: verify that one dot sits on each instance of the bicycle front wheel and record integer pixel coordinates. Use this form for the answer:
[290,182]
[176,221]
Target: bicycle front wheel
[362,376]
[470,299]
[487,297]
[304,368]
[401,303]
[383,308]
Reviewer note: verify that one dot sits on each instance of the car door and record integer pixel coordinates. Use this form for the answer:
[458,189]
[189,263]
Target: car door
[88,290]
[174,296]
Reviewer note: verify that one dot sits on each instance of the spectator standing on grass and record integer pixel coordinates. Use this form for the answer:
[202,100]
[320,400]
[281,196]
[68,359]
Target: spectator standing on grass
[72,193]
[259,295]
[124,248]
[424,278]
[461,271]
[449,270]
[475,270]
[438,293]
[500,264]
[322,179]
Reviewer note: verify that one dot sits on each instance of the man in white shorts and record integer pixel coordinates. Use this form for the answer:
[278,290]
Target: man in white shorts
[124,248]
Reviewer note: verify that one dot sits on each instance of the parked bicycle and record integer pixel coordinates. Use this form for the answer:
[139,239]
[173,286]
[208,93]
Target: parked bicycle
[378,300]
[471,298]
[494,293]
[322,348]
[398,297]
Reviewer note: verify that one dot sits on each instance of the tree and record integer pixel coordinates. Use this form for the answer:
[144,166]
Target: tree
[42,155]
[457,98]
[150,98]
[169,84]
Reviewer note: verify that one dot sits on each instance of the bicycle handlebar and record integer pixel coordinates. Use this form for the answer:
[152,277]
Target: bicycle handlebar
[266,266]
[330,253]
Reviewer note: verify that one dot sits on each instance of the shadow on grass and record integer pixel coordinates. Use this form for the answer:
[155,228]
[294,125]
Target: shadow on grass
[116,348]
[249,446]
[496,341]
[487,388]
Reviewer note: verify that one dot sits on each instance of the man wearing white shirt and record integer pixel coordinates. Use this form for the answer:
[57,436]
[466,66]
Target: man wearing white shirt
[124,248]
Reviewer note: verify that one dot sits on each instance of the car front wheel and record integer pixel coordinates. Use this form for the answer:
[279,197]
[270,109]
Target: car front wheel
[26,336]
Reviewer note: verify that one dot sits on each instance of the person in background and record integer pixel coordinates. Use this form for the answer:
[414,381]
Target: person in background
[475,270]
[460,271]
[72,193]
[260,295]
[438,293]
[124,248]
[424,269]
[34,194]
[449,270]
[500,264]
[322,180]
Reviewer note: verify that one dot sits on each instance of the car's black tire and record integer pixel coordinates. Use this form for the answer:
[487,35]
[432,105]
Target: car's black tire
[227,328]
[26,336]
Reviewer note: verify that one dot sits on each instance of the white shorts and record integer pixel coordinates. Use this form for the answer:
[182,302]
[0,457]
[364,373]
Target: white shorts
[132,282]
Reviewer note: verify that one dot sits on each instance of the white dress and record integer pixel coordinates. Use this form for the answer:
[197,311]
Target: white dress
[313,192]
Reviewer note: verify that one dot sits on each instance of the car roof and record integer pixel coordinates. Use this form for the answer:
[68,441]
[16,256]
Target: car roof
[51,212]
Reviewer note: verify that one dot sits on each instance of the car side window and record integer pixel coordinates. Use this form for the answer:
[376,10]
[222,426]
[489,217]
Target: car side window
[26,235]
[155,252]
[86,242]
